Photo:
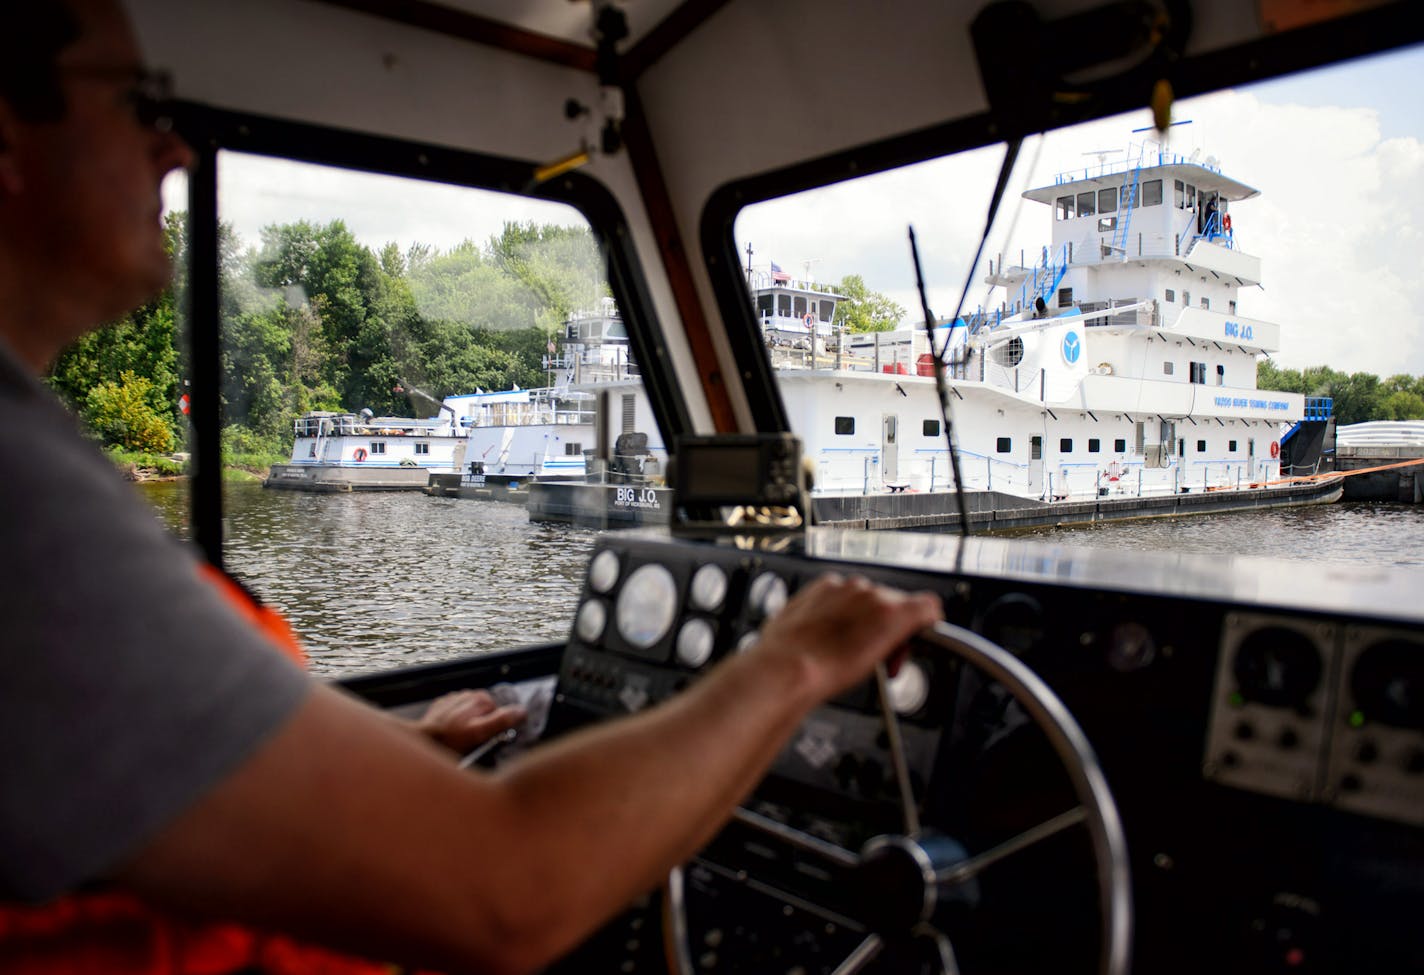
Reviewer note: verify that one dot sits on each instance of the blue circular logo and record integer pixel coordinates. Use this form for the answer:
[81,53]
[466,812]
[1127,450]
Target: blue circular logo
[1072,347]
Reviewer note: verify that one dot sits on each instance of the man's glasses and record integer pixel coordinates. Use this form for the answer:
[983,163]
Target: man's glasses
[149,94]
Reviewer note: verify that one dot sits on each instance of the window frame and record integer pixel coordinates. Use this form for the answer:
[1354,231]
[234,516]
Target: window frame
[211,131]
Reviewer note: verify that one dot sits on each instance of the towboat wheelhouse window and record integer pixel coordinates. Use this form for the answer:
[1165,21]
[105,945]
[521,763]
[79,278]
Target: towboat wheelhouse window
[399,329]
[1151,193]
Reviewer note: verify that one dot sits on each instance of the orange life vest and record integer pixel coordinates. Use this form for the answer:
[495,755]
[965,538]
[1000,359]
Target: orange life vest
[115,933]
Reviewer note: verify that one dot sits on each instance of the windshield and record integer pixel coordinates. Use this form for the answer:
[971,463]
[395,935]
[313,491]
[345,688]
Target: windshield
[1153,314]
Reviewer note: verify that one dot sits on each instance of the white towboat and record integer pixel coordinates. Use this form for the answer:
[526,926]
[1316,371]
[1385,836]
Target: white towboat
[549,432]
[1118,363]
[360,452]
[1118,366]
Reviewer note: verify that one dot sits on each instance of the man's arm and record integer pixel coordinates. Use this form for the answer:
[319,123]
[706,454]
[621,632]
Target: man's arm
[344,829]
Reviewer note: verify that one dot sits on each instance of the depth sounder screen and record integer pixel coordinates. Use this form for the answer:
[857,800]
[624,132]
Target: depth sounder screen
[722,473]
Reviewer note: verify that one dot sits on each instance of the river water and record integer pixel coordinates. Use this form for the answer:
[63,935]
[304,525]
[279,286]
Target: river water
[374,581]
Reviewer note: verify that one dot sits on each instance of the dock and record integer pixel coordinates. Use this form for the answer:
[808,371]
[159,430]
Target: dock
[1382,473]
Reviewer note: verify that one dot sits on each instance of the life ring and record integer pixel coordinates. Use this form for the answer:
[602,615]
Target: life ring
[359,455]
[809,320]
[1275,449]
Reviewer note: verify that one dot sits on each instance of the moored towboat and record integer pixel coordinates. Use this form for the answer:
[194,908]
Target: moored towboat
[1116,379]
[336,452]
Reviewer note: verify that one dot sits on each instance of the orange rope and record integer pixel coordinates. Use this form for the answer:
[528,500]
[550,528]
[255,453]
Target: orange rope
[1329,474]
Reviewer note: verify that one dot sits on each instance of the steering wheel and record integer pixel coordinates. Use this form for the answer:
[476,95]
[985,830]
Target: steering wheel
[912,871]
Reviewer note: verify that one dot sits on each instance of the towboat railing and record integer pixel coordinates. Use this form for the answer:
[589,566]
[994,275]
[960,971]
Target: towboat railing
[1138,154]
[350,425]
[867,470]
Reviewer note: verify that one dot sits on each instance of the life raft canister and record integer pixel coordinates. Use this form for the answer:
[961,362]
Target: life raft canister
[1226,223]
[360,454]
[1275,449]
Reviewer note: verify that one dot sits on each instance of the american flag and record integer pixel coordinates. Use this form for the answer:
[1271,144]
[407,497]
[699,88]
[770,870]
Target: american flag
[777,274]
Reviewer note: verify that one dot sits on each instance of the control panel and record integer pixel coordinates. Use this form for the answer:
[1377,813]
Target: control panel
[1267,758]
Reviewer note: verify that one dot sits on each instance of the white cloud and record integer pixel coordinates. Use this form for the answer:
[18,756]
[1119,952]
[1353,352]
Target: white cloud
[258,191]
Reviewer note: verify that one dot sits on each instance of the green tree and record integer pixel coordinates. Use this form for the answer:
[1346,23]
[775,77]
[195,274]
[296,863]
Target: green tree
[1402,404]
[864,310]
[129,414]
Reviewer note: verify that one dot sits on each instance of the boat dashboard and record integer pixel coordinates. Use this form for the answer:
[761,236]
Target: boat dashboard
[1263,746]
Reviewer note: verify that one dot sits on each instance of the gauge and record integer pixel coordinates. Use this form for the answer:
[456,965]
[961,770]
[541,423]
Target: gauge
[1277,666]
[709,588]
[694,642]
[1388,684]
[592,618]
[1015,622]
[647,606]
[909,689]
[603,571]
[768,593]
[1130,647]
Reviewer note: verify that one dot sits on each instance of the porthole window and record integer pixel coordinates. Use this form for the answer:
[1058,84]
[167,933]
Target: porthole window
[845,426]
[1005,444]
[931,428]
[1094,445]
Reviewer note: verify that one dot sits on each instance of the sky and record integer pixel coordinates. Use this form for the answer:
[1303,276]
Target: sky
[1337,154]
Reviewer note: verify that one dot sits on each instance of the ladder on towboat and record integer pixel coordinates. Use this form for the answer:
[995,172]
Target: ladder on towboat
[1043,279]
[1126,202]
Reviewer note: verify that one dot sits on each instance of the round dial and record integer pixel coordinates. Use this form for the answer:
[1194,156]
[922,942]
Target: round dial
[592,618]
[1387,682]
[647,605]
[768,593]
[909,689]
[603,571]
[1277,666]
[694,643]
[709,588]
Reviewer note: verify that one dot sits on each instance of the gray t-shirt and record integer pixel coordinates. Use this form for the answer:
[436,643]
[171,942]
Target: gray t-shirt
[128,686]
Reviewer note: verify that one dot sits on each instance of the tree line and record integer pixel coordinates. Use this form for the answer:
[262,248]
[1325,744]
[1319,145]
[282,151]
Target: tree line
[1358,397]
[314,320]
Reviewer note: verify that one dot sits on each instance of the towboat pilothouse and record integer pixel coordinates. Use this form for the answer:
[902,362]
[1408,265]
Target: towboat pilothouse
[1099,761]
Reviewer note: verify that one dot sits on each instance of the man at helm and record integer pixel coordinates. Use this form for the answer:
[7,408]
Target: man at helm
[163,754]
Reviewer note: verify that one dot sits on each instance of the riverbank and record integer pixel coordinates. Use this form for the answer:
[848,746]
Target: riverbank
[144,467]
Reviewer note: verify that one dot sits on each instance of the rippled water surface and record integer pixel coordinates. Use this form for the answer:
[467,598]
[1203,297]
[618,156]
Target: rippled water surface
[1374,534]
[373,581]
[377,580]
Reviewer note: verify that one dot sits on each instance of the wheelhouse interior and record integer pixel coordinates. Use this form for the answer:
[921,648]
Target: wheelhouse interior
[1138,763]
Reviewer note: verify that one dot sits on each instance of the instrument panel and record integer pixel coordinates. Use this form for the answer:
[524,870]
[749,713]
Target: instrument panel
[1266,754]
